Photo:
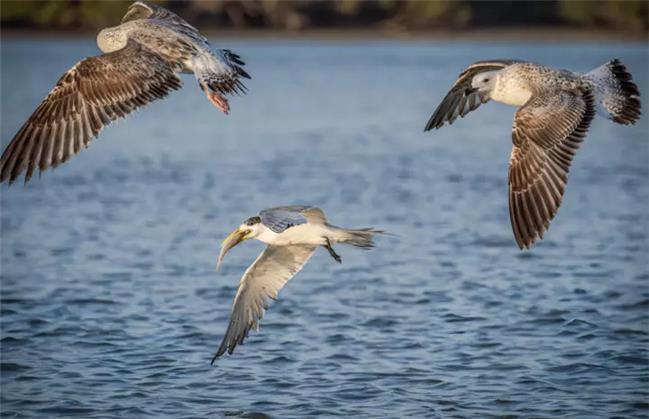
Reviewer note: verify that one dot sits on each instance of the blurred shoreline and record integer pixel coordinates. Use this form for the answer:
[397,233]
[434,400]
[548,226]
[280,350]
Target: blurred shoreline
[537,34]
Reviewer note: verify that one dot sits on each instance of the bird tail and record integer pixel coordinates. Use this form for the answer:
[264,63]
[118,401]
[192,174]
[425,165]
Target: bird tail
[362,237]
[212,74]
[617,96]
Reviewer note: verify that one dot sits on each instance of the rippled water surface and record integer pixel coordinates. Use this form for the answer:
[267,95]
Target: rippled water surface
[111,306]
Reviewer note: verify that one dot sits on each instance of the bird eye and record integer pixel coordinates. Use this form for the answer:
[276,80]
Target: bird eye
[486,80]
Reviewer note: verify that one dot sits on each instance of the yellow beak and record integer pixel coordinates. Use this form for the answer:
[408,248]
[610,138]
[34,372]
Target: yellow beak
[233,239]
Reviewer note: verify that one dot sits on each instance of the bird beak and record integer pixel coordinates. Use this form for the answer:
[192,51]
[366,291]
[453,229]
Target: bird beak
[233,239]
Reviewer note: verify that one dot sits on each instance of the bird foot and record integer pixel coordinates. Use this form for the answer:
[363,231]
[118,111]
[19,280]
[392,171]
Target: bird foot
[217,100]
[331,251]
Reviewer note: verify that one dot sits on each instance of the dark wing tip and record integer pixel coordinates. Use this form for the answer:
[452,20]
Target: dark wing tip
[220,351]
[230,341]
[15,156]
[243,73]
[437,118]
[525,243]
[433,122]
[456,104]
[524,227]
[4,174]
[236,62]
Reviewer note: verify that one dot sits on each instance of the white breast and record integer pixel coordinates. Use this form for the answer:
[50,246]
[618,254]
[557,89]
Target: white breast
[511,91]
[308,234]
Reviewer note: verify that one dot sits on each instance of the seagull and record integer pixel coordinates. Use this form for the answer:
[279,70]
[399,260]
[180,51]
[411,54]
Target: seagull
[141,60]
[556,108]
[292,234]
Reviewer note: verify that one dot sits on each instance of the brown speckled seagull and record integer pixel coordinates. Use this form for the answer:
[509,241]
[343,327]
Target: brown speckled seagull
[556,109]
[141,61]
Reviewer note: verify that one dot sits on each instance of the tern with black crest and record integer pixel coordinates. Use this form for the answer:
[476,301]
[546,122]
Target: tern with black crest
[292,233]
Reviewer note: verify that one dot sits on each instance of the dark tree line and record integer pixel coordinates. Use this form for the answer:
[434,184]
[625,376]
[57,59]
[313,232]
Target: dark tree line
[295,15]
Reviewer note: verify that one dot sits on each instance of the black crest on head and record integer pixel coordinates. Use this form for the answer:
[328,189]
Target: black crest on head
[252,221]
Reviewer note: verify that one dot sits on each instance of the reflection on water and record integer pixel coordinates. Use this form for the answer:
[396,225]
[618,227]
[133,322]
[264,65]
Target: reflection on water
[111,306]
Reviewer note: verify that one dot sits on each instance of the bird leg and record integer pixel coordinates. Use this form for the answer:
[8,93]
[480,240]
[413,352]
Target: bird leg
[216,99]
[331,251]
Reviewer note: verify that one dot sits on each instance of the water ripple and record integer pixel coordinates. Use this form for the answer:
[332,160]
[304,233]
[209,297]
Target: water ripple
[110,306]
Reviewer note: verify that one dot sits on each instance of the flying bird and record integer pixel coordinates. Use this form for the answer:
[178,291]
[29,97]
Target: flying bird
[292,233]
[141,60]
[556,108]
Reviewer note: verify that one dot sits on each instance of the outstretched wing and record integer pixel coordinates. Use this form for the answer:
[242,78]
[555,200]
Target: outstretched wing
[461,99]
[221,75]
[261,282]
[279,219]
[146,10]
[546,134]
[92,94]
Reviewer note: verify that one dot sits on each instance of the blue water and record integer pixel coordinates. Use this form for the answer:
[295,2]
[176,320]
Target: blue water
[110,305]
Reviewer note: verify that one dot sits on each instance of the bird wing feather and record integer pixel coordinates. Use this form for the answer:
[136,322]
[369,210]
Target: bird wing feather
[88,97]
[461,100]
[221,75]
[546,134]
[314,215]
[261,282]
[279,219]
[145,10]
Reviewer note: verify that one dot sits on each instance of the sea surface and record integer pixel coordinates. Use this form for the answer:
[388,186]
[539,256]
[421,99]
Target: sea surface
[111,306]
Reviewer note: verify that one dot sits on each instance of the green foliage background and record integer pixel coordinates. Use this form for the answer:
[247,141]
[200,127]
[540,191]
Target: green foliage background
[629,16]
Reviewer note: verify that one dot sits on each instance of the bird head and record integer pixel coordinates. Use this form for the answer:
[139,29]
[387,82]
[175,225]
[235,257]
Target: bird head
[484,82]
[249,229]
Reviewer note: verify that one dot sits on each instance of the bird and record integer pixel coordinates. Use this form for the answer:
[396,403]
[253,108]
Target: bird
[556,108]
[141,60]
[292,234]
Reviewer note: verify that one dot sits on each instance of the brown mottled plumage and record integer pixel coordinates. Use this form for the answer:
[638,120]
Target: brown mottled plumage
[547,132]
[141,61]
[556,109]
[92,94]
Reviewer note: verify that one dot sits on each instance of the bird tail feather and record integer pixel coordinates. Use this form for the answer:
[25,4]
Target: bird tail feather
[618,97]
[362,237]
